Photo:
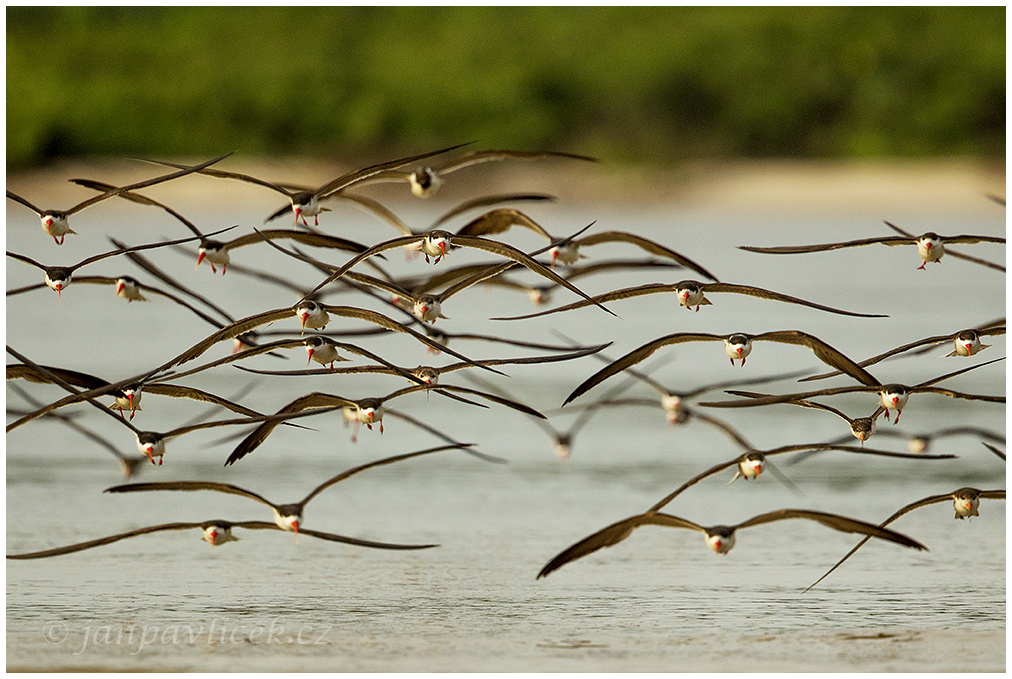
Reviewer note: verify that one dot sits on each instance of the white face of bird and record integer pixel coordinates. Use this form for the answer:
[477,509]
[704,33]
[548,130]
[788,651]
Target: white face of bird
[131,399]
[427,308]
[309,207]
[721,544]
[370,414]
[568,254]
[288,522]
[128,289]
[562,450]
[435,244]
[321,351]
[968,343]
[151,446]
[929,247]
[55,225]
[752,466]
[917,444]
[58,282]
[863,428]
[217,534]
[689,295]
[738,347]
[966,504]
[312,315]
[893,398]
[427,375]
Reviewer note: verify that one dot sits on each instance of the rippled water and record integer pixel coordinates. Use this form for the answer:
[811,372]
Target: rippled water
[660,601]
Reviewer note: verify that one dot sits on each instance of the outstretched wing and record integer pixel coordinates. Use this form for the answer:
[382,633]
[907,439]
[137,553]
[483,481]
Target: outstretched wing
[189,486]
[612,535]
[104,541]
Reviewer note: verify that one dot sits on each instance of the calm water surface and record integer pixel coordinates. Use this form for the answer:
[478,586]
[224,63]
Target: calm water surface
[659,601]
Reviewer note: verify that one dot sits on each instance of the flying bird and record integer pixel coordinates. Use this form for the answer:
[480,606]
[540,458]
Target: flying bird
[967,343]
[891,396]
[59,277]
[306,202]
[426,180]
[720,539]
[737,346]
[964,500]
[692,294]
[56,222]
[287,516]
[215,532]
[930,246]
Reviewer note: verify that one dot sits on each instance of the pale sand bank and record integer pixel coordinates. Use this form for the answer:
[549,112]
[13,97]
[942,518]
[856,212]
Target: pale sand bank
[744,185]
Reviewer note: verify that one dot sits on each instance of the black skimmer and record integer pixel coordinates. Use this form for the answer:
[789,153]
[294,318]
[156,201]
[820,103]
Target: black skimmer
[425,181]
[737,346]
[930,246]
[718,538]
[287,516]
[152,443]
[217,252]
[862,428]
[128,288]
[215,531]
[130,464]
[367,411]
[964,500]
[311,315]
[692,294]
[306,202]
[916,443]
[951,253]
[967,343]
[128,397]
[752,463]
[56,222]
[437,242]
[891,396]
[59,277]
[321,349]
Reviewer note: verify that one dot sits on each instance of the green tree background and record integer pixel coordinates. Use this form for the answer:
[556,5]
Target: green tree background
[657,84]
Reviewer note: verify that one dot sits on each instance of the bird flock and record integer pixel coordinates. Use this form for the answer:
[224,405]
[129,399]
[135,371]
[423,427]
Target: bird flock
[412,304]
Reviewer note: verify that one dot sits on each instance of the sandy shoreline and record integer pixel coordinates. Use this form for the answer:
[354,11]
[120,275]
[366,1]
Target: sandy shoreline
[764,185]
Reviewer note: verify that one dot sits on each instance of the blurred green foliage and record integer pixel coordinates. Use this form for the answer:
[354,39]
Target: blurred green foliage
[654,84]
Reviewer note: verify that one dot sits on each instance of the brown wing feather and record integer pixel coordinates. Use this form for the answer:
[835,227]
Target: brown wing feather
[525,260]
[823,352]
[260,434]
[104,541]
[189,486]
[834,521]
[646,244]
[375,463]
[615,295]
[780,297]
[612,535]
[637,355]
[794,249]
